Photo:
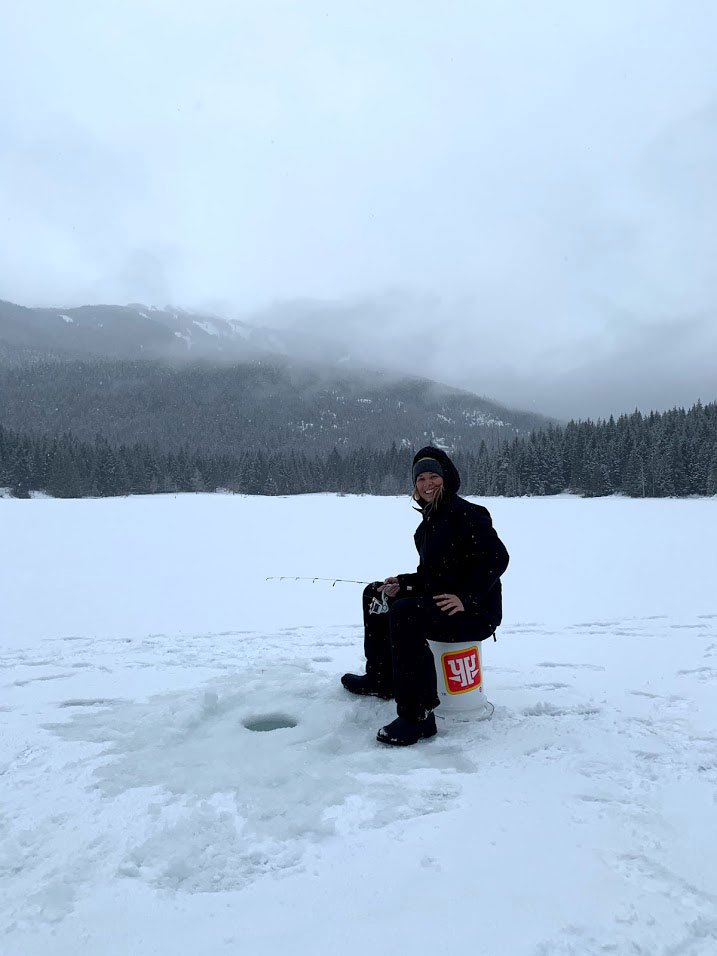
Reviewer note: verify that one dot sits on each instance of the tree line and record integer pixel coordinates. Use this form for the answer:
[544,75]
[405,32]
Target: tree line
[216,411]
[672,453]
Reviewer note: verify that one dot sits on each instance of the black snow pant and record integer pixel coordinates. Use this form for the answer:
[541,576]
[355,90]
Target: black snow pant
[398,658]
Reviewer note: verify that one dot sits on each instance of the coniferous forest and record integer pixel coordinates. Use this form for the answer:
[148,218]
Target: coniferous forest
[665,454]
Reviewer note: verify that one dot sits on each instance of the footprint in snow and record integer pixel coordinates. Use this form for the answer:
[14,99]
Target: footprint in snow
[702,673]
[668,698]
[33,680]
[584,667]
[654,877]
[595,624]
[548,685]
[546,709]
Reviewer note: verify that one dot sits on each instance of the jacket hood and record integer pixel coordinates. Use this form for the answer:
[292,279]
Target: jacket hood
[451,478]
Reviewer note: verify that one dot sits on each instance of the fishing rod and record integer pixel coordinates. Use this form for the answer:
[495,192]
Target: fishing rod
[298,577]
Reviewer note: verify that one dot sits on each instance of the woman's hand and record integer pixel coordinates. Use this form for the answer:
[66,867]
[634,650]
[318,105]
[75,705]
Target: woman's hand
[450,603]
[390,587]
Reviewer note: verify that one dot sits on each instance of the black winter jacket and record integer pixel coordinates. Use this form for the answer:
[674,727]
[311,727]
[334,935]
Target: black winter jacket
[459,550]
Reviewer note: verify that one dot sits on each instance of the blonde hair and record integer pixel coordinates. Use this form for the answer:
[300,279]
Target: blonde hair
[437,498]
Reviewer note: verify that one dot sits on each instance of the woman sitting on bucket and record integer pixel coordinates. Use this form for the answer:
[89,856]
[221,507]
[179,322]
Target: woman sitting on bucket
[455,595]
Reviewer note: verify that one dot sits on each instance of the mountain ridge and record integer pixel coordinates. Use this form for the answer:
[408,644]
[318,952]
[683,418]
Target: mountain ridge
[213,409]
[176,377]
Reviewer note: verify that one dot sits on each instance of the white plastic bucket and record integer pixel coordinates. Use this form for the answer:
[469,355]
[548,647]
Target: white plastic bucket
[459,679]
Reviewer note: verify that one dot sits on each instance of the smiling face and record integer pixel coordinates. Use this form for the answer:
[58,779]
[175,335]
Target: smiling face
[427,484]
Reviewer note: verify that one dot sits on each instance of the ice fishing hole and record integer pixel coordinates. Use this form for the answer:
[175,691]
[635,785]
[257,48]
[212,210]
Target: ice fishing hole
[269,722]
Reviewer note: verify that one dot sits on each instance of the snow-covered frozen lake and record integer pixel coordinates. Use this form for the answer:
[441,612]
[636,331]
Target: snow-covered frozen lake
[139,816]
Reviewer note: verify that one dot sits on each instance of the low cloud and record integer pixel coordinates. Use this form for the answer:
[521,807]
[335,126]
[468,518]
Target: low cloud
[538,185]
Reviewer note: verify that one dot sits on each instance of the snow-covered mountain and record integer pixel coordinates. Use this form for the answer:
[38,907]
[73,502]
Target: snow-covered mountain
[134,331]
[134,373]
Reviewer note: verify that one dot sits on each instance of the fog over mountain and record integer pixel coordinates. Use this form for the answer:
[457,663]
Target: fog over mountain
[629,364]
[513,198]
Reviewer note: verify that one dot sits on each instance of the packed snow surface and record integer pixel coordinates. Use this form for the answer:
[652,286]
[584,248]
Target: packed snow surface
[181,772]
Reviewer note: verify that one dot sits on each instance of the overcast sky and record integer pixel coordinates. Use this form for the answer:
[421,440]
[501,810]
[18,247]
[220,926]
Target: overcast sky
[521,196]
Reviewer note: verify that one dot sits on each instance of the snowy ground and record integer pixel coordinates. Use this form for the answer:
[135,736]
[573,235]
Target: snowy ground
[139,816]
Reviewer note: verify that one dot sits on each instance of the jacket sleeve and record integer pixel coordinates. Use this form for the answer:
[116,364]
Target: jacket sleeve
[411,583]
[487,553]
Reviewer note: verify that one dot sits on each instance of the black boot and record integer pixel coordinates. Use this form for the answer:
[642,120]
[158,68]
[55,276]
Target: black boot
[365,686]
[402,733]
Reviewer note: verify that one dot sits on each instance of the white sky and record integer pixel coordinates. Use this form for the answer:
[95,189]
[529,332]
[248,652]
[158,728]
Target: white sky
[525,193]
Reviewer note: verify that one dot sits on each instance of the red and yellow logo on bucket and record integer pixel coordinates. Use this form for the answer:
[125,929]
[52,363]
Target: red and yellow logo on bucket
[461,670]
